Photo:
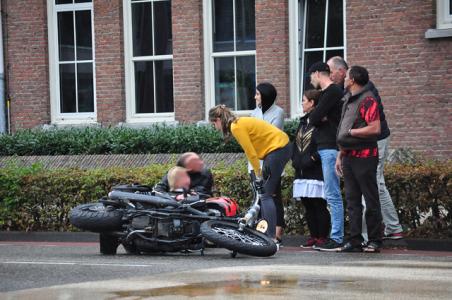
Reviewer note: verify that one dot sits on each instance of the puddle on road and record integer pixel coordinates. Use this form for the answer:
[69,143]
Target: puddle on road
[265,286]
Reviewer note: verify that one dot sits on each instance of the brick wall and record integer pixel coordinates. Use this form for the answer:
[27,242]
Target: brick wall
[188,73]
[109,52]
[26,62]
[272,47]
[413,74]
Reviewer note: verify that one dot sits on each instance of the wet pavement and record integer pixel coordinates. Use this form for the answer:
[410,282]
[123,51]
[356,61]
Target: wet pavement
[76,270]
[383,280]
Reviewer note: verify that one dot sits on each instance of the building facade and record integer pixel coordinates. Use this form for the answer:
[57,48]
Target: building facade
[143,61]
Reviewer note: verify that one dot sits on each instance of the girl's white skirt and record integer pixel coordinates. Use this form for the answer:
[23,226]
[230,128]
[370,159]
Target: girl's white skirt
[308,188]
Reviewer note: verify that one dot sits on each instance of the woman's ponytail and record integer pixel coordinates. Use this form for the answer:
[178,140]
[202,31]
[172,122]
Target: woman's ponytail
[226,116]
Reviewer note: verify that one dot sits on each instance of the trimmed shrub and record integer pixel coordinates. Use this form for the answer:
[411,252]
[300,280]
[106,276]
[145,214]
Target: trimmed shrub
[422,194]
[36,199]
[120,140]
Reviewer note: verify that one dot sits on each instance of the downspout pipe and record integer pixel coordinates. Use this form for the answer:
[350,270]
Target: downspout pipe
[2,78]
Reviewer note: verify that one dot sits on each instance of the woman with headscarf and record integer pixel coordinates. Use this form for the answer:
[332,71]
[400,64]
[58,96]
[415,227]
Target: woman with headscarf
[266,108]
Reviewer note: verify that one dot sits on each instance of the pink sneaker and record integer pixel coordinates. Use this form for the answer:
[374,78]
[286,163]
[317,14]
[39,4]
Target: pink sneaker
[394,236]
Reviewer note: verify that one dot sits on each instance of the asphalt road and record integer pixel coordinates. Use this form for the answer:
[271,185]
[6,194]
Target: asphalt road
[26,265]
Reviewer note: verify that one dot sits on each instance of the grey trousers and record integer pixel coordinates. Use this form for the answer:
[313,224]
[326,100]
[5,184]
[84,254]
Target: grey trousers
[272,169]
[388,211]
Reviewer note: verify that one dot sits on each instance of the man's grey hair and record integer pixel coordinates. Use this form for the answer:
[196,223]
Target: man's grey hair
[182,161]
[339,62]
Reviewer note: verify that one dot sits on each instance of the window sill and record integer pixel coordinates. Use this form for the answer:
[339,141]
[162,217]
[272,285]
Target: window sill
[140,125]
[150,118]
[438,33]
[70,125]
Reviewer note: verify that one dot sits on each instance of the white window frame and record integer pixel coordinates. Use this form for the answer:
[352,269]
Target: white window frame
[296,52]
[443,17]
[209,57]
[129,66]
[57,117]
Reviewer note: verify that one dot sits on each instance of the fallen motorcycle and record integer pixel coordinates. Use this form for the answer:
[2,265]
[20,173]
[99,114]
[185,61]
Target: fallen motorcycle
[144,222]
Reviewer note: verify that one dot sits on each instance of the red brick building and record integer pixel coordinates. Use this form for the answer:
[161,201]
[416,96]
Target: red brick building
[142,61]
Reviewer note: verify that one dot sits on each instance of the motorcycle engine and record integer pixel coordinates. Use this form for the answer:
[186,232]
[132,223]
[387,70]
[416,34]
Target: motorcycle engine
[167,228]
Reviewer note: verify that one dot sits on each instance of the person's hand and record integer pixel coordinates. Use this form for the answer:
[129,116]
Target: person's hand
[259,184]
[180,197]
[338,165]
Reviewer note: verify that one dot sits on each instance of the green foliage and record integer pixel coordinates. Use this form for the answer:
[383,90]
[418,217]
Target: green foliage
[422,194]
[117,140]
[11,180]
[120,140]
[290,127]
[33,198]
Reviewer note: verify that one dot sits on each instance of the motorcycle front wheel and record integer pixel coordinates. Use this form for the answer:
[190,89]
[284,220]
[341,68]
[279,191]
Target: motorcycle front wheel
[96,217]
[247,241]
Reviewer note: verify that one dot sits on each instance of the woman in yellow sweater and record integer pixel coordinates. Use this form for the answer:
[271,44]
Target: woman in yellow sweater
[260,141]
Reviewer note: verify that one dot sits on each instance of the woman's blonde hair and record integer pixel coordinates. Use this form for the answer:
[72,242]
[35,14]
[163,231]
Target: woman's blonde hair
[226,116]
[173,175]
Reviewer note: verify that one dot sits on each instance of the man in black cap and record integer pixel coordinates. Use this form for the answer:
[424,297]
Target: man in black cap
[325,118]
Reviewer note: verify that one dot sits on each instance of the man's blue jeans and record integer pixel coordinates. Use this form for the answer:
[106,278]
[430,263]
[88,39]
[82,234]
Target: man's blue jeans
[333,193]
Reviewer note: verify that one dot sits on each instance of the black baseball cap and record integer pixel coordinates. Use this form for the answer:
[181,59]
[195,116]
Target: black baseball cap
[319,67]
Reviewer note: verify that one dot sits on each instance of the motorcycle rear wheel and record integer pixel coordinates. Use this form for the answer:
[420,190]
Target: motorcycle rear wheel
[249,241]
[96,217]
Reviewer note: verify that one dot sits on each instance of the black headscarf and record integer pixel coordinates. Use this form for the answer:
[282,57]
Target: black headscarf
[268,95]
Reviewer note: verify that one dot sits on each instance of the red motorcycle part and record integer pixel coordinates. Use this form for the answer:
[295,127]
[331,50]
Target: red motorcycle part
[228,206]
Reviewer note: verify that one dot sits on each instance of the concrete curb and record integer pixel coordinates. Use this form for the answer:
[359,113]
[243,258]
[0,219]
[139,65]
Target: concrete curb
[289,240]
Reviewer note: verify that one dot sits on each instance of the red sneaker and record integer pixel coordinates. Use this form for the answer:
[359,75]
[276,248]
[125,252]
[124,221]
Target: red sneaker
[309,243]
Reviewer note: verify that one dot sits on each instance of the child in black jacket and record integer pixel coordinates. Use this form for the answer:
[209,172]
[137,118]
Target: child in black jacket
[308,183]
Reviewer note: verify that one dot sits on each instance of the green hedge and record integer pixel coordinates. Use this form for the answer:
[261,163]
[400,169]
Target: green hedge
[120,140]
[36,199]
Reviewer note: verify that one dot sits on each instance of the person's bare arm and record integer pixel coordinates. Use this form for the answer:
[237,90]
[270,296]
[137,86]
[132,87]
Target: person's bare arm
[373,129]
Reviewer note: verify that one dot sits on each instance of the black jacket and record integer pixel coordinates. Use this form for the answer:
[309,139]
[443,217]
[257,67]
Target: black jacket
[329,106]
[305,158]
[200,183]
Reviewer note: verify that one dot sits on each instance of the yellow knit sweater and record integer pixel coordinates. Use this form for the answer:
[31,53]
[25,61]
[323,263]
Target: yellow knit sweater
[257,138]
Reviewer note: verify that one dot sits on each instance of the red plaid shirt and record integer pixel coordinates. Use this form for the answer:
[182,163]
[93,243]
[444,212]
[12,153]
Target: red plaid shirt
[370,113]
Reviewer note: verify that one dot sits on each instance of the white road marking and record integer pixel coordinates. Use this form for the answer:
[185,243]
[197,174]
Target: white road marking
[79,264]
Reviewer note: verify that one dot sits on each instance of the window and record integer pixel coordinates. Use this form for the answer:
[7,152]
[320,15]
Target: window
[149,60]
[444,14]
[316,33]
[72,62]
[231,57]
[323,33]
[443,21]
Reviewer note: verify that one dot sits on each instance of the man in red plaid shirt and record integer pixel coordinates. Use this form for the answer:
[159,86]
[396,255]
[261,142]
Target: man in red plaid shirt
[358,159]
